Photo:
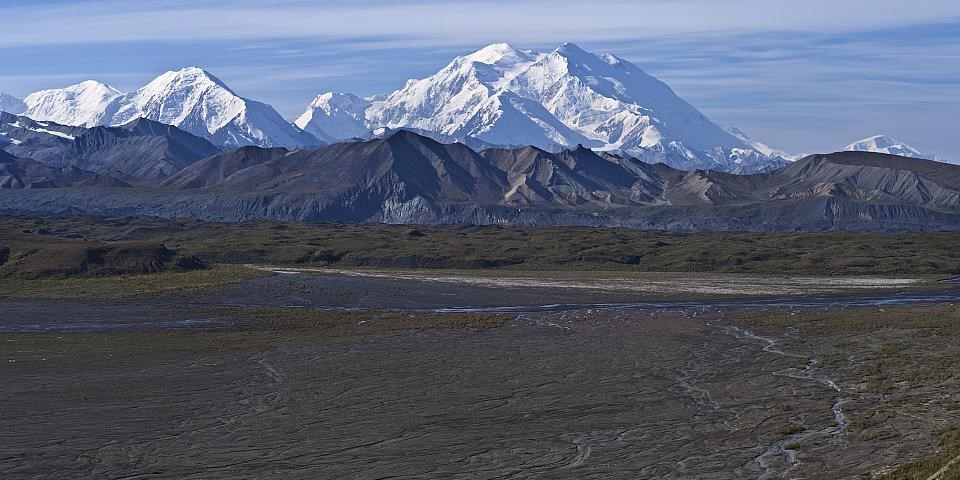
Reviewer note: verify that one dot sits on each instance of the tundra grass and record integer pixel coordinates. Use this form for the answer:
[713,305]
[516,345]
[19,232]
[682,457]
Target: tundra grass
[510,248]
[125,287]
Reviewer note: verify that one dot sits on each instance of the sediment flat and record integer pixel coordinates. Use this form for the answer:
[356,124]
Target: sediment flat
[271,386]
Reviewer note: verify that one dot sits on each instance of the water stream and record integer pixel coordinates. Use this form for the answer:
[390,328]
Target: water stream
[780,458]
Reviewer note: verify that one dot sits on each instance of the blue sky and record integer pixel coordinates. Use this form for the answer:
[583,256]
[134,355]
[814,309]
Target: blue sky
[803,76]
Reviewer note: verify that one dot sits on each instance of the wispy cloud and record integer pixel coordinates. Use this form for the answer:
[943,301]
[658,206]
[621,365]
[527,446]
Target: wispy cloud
[461,22]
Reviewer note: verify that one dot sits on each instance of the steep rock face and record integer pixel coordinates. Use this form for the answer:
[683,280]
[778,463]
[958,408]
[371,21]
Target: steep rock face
[191,99]
[507,97]
[141,151]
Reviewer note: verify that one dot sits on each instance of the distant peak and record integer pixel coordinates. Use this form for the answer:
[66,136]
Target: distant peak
[498,53]
[189,76]
[502,46]
[193,71]
[498,48]
[93,85]
[338,95]
[198,72]
[877,141]
[331,101]
[885,144]
[570,48]
[882,138]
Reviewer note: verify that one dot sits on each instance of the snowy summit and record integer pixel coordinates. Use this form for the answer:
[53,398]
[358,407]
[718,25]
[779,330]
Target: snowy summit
[502,95]
[190,99]
[885,144]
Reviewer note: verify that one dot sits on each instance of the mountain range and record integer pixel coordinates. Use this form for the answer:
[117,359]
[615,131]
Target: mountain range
[191,99]
[503,96]
[404,177]
[139,152]
[498,96]
[500,136]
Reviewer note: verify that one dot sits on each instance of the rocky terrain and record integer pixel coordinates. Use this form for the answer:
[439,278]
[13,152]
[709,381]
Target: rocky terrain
[412,179]
[257,378]
[141,152]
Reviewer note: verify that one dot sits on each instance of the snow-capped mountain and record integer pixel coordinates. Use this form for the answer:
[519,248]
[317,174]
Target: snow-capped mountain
[762,147]
[885,144]
[190,99]
[505,96]
[86,104]
[11,104]
[334,116]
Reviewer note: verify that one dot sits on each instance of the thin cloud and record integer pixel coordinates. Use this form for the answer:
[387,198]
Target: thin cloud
[420,23]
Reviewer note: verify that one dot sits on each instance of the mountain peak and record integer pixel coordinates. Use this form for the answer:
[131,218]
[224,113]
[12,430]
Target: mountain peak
[88,88]
[494,49]
[190,99]
[571,49]
[885,144]
[82,104]
[334,116]
[333,98]
[92,84]
[187,77]
[501,95]
[882,141]
[499,54]
[405,135]
[11,104]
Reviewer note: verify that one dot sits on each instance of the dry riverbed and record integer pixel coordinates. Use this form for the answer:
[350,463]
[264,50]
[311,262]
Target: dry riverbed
[252,379]
[631,283]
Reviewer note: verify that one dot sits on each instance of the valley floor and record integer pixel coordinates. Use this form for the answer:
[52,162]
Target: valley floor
[252,379]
